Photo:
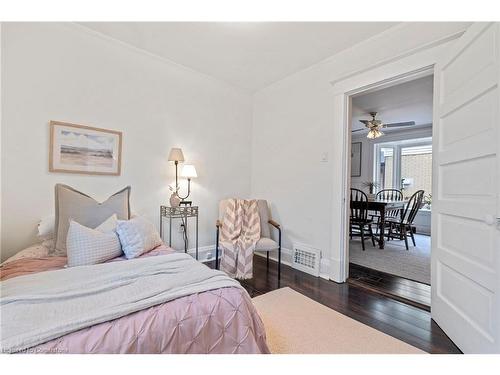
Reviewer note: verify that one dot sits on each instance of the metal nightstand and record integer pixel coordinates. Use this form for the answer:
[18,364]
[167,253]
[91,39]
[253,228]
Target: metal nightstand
[181,212]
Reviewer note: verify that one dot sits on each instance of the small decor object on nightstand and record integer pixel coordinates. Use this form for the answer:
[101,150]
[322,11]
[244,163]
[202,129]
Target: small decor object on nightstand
[174,199]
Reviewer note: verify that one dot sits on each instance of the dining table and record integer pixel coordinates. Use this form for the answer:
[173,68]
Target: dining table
[382,206]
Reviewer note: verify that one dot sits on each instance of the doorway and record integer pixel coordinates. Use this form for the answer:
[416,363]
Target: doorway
[465,213]
[391,190]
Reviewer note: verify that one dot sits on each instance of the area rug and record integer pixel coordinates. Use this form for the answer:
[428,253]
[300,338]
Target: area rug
[414,264]
[295,324]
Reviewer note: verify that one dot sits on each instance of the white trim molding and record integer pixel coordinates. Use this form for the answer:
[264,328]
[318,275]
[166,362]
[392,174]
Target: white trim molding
[207,254]
[406,68]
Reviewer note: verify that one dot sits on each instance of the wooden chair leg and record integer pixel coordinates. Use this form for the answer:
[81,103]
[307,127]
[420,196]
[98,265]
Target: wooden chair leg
[371,234]
[217,249]
[268,260]
[405,237]
[279,265]
[362,230]
[412,237]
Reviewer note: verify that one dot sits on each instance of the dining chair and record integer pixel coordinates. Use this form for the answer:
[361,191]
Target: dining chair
[404,224]
[388,195]
[359,216]
[265,243]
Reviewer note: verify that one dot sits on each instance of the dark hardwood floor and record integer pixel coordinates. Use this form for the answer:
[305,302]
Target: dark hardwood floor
[402,321]
[399,288]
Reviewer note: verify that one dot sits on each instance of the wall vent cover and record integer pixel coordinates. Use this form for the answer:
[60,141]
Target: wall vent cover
[306,259]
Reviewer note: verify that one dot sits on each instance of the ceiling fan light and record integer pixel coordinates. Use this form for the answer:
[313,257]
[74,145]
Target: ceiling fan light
[374,133]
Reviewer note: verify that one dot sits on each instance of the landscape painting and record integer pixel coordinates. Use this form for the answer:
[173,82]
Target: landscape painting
[84,149]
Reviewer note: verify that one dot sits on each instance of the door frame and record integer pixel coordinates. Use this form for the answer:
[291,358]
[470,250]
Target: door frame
[403,70]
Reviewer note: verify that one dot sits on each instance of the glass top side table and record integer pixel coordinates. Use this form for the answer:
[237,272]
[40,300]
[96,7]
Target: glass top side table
[183,213]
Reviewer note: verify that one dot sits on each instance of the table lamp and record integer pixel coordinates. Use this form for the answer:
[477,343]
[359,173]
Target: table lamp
[177,157]
[189,172]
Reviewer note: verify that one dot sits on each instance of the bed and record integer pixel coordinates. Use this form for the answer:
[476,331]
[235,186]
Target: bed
[221,320]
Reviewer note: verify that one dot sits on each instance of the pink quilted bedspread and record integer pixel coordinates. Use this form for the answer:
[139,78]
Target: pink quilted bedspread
[216,321]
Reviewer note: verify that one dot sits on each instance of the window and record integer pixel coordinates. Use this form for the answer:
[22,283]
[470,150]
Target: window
[416,169]
[405,165]
[386,168]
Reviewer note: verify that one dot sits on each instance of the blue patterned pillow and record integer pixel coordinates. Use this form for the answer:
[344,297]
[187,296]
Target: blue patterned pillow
[137,236]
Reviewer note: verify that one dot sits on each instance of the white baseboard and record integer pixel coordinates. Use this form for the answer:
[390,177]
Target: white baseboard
[207,254]
[286,258]
[324,269]
[335,271]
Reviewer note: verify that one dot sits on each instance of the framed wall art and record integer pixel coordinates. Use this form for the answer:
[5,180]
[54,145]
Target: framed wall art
[356,159]
[84,149]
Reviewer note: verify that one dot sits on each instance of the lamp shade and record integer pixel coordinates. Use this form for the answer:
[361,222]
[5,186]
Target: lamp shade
[176,155]
[189,171]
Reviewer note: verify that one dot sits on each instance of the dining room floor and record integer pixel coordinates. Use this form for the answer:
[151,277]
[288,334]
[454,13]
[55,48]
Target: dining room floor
[413,264]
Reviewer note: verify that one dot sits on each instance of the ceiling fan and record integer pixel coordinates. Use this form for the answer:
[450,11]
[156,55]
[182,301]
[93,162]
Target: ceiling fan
[374,126]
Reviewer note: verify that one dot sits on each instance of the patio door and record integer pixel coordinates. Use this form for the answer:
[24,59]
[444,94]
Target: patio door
[466,203]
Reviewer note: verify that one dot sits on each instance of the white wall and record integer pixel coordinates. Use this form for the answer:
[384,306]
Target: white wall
[63,72]
[293,127]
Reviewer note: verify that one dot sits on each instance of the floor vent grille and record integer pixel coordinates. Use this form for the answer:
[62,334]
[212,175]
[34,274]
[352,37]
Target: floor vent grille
[306,259]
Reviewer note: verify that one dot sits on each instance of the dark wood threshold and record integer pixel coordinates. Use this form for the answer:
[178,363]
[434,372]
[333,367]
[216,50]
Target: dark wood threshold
[404,290]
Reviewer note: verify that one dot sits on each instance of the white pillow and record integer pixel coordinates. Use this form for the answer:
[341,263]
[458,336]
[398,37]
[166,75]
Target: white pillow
[137,236]
[87,246]
[109,225]
[46,228]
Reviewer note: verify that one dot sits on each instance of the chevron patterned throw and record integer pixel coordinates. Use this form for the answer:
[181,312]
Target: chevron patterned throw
[239,233]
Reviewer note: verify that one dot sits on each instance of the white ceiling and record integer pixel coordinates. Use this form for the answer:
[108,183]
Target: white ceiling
[409,101]
[247,55]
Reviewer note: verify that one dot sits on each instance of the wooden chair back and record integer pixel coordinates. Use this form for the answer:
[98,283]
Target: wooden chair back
[391,195]
[359,210]
[411,209]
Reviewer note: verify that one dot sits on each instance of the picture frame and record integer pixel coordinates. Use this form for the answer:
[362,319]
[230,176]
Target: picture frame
[84,149]
[356,153]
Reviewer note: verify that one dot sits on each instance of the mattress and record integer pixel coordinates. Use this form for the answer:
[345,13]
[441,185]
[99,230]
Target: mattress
[216,321]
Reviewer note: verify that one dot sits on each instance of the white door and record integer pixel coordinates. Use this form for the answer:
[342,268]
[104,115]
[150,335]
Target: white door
[466,202]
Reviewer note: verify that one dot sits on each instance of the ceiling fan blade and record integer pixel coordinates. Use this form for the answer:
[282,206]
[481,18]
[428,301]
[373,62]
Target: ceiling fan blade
[398,124]
[364,121]
[358,130]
